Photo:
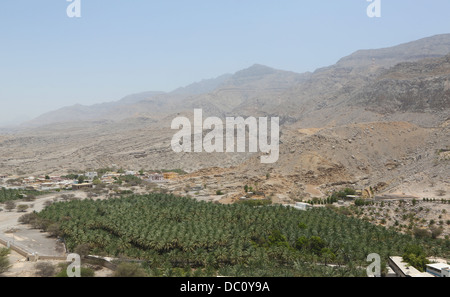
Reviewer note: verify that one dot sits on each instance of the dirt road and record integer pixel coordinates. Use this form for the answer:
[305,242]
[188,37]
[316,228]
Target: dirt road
[22,236]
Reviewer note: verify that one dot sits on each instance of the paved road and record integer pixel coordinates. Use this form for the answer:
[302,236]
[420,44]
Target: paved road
[23,236]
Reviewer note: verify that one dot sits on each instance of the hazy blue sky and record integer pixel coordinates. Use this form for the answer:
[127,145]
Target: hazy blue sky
[119,47]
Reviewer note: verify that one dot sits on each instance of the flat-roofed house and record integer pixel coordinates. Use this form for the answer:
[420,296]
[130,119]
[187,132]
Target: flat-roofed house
[91,175]
[302,206]
[403,269]
[439,269]
[156,177]
[82,186]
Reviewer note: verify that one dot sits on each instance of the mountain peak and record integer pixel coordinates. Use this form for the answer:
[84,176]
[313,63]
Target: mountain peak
[257,70]
[429,47]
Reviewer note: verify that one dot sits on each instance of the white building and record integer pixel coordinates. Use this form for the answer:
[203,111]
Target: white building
[439,269]
[91,175]
[302,206]
[402,269]
[156,178]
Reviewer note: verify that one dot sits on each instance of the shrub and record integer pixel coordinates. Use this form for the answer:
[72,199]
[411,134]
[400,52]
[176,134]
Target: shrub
[129,270]
[22,207]
[262,202]
[85,272]
[415,256]
[4,262]
[45,269]
[10,205]
[436,231]
[421,233]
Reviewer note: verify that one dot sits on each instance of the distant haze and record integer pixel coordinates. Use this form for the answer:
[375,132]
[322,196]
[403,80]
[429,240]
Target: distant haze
[50,61]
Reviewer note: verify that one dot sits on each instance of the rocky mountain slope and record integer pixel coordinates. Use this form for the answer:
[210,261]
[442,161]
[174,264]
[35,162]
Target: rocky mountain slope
[261,90]
[377,117]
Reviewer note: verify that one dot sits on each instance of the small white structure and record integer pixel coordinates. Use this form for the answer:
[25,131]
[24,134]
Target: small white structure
[91,175]
[156,178]
[439,269]
[302,206]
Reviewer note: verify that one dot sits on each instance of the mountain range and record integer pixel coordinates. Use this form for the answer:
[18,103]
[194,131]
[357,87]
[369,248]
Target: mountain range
[260,90]
[376,116]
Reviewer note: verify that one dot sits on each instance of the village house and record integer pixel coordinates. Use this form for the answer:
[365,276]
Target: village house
[29,180]
[155,177]
[82,186]
[111,175]
[107,180]
[91,175]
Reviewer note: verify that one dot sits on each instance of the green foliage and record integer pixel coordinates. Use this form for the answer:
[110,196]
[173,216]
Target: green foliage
[16,194]
[416,257]
[179,171]
[131,180]
[314,244]
[174,234]
[44,269]
[276,238]
[10,205]
[302,225]
[84,271]
[4,262]
[103,171]
[256,202]
[81,179]
[421,233]
[22,207]
[342,194]
[96,181]
[129,270]
[363,202]
[71,176]
[349,191]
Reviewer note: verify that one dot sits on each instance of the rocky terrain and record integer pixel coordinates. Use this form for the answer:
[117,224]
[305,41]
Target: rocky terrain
[376,117]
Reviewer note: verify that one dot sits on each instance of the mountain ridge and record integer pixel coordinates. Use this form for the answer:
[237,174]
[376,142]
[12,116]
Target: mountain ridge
[261,90]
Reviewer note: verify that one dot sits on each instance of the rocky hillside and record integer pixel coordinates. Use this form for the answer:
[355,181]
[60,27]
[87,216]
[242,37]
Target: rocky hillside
[261,90]
[421,87]
[377,117]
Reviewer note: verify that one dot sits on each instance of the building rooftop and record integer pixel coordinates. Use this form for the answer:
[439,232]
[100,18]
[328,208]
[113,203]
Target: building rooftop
[408,269]
[439,266]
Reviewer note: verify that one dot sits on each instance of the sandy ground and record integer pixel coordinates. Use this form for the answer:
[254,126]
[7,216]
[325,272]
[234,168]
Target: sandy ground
[22,268]
[30,240]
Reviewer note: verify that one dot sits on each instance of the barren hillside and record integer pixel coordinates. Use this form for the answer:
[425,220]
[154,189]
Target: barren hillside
[376,117]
